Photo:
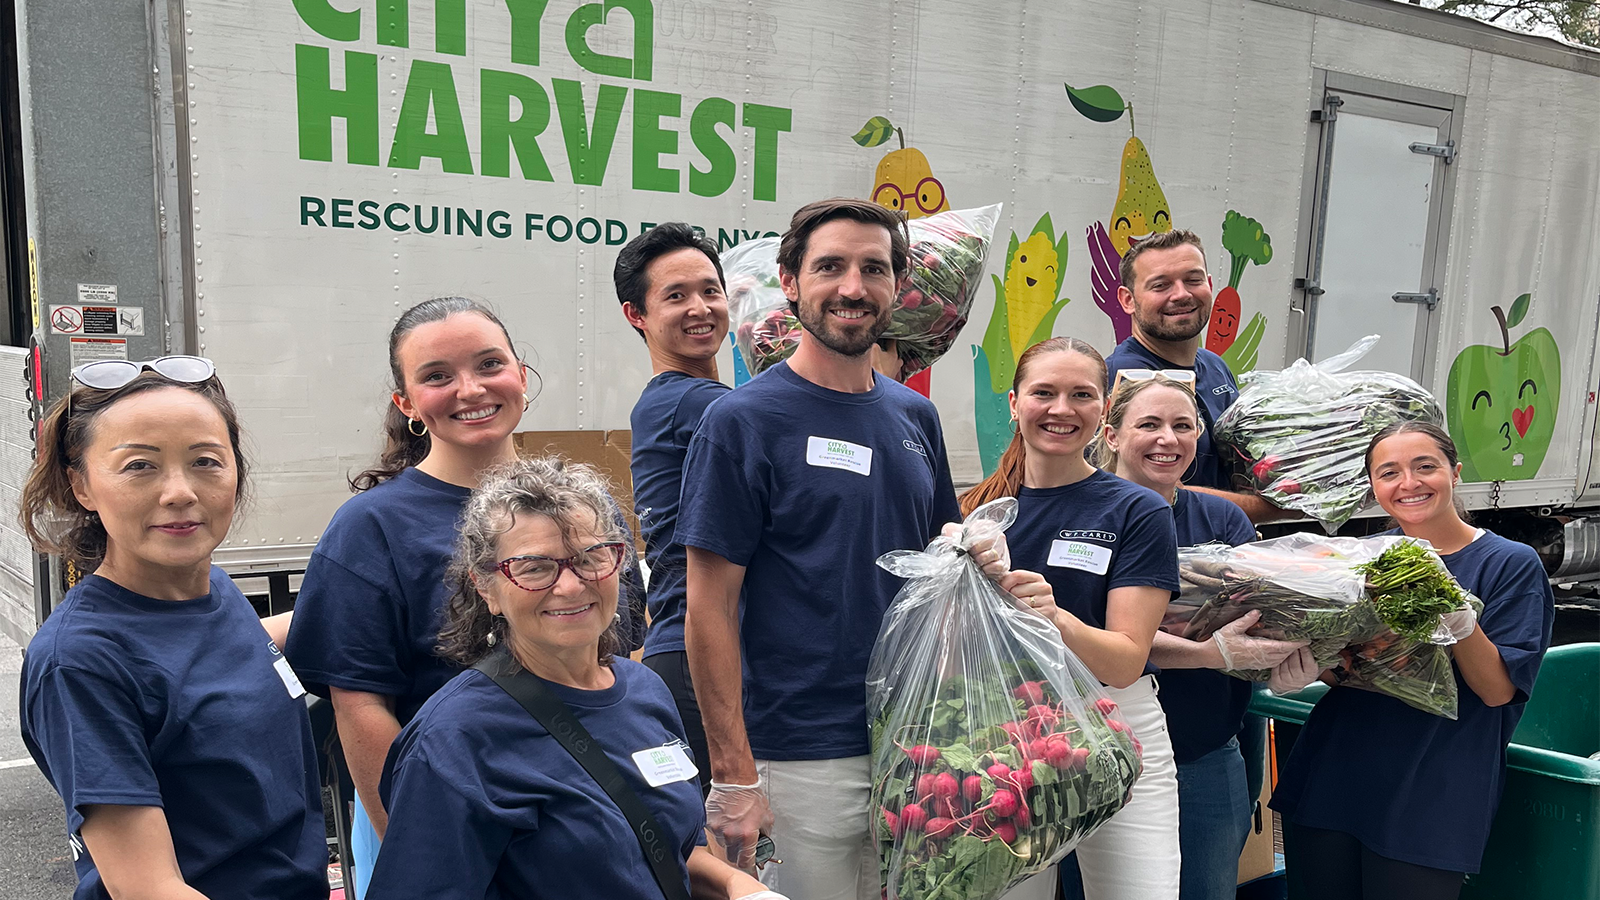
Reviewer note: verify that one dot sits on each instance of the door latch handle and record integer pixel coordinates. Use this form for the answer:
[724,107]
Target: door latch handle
[1430,299]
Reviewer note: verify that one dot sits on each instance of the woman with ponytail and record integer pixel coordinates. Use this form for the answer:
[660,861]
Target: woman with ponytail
[367,618]
[1109,551]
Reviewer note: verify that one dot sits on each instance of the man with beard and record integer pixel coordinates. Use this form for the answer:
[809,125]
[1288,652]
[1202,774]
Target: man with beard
[794,485]
[670,283]
[1166,290]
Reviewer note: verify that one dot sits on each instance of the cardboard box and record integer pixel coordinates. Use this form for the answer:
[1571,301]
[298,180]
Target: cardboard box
[1258,858]
[608,451]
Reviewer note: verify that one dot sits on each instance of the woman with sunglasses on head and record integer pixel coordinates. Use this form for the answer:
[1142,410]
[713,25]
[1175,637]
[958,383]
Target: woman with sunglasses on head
[1431,785]
[1152,427]
[367,617]
[483,800]
[152,698]
[1107,548]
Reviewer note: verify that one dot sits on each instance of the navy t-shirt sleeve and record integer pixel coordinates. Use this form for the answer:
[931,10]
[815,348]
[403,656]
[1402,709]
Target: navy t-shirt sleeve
[1149,554]
[1518,616]
[453,827]
[90,732]
[724,500]
[349,631]
[692,408]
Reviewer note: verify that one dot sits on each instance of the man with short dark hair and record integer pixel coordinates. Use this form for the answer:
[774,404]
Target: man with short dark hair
[1166,289]
[794,485]
[669,281]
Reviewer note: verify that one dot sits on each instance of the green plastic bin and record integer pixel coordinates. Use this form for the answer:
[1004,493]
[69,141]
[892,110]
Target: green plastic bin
[1545,842]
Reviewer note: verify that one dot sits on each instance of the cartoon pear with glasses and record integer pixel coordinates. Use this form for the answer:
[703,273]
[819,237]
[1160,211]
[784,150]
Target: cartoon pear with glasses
[904,180]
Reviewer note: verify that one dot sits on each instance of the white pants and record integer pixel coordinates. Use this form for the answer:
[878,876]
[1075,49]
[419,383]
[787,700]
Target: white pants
[1134,855]
[821,829]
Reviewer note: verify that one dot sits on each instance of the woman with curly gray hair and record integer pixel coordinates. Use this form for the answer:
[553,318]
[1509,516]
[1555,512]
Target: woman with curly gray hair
[487,800]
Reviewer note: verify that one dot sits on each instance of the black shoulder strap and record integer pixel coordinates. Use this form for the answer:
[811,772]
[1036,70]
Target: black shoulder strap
[549,711]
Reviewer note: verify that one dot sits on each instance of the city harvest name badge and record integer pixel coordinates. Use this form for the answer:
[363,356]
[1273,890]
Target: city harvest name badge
[665,765]
[1078,555]
[829,453]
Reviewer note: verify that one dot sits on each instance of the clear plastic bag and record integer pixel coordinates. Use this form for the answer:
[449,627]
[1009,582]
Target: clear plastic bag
[1369,606]
[948,252]
[1301,434]
[994,750]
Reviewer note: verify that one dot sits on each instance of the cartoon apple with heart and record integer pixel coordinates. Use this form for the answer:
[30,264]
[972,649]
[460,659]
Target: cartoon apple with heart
[1502,401]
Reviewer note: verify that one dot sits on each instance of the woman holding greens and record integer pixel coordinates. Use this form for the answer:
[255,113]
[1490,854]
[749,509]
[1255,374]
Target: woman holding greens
[1381,800]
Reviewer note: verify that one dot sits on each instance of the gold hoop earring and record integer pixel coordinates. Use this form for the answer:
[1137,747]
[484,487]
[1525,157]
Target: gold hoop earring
[1016,427]
[411,426]
[526,402]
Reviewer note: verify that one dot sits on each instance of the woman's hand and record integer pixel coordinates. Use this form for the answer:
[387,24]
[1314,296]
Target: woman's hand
[1032,591]
[1241,652]
[991,553]
[1297,670]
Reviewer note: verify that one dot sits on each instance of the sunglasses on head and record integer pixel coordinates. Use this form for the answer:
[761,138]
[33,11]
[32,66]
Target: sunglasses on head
[1183,378]
[110,374]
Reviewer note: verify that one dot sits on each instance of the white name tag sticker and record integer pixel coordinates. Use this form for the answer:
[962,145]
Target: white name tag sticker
[665,765]
[290,682]
[830,453]
[1079,555]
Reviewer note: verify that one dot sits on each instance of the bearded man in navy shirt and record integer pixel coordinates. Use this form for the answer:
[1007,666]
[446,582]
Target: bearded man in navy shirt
[794,485]
[1166,289]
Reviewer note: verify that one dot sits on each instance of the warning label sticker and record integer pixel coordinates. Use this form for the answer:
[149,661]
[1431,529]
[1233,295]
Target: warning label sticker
[85,349]
[97,320]
[98,294]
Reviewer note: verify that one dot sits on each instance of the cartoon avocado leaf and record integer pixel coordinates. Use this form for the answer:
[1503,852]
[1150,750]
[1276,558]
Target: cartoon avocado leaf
[877,130]
[1519,310]
[1100,103]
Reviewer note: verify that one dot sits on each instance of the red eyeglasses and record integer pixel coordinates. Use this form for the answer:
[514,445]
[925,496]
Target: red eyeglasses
[538,573]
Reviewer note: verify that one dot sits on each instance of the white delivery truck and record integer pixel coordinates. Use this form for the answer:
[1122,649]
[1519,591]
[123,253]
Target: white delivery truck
[269,183]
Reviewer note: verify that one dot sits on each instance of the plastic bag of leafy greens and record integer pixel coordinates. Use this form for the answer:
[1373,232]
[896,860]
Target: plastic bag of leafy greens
[1386,593]
[764,330]
[994,750]
[947,257]
[1301,434]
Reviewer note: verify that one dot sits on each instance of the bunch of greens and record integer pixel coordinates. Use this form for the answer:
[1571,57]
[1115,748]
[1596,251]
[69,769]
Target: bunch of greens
[1301,435]
[992,781]
[1369,608]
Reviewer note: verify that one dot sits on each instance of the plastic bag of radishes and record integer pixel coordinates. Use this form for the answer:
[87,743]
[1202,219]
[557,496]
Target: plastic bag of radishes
[994,750]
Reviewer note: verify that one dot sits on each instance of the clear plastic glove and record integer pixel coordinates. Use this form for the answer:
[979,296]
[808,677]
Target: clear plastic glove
[737,815]
[1242,652]
[1297,670]
[989,550]
[763,895]
[1460,623]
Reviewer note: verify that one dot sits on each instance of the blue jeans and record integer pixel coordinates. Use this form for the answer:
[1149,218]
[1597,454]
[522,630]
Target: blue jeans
[1214,806]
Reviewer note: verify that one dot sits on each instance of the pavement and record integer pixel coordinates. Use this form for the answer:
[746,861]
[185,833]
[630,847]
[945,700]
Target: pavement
[35,863]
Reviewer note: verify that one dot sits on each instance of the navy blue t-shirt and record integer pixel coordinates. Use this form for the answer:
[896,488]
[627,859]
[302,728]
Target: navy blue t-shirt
[806,487]
[1428,787]
[484,803]
[1092,536]
[368,614]
[663,420]
[1215,388]
[132,701]
[1204,707]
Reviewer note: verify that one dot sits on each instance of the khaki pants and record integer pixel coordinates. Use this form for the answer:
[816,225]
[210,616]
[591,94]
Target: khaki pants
[821,829]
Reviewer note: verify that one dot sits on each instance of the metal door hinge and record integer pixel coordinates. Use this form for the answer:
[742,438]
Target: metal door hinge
[1312,288]
[1329,110]
[1431,298]
[1445,151]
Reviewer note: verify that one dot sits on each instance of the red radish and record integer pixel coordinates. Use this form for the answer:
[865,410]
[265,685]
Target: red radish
[1003,803]
[999,771]
[1022,779]
[1007,832]
[1014,731]
[941,828]
[913,818]
[923,755]
[1039,749]
[946,806]
[1080,759]
[1138,748]
[1030,692]
[972,788]
[1058,755]
[893,821]
[1023,818]
[945,786]
[925,785]
[1106,705]
[1115,725]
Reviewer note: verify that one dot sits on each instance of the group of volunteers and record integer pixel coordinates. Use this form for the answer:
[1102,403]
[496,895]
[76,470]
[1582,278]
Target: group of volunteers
[469,615]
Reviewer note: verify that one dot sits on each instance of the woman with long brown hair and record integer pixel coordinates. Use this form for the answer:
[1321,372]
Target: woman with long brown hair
[367,617]
[1107,547]
[176,737]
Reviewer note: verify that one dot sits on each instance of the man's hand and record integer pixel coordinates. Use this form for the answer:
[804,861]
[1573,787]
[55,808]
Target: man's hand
[736,816]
